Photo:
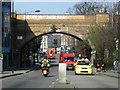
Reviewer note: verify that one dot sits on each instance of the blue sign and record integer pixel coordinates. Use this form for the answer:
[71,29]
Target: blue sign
[6,50]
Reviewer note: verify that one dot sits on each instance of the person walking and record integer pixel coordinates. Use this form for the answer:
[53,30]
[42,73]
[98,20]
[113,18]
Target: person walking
[115,66]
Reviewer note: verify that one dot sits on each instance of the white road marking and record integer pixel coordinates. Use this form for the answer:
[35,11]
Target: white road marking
[57,79]
[50,86]
[53,82]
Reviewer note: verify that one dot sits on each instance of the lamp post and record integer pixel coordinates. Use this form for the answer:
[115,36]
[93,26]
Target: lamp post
[25,22]
[25,19]
[31,11]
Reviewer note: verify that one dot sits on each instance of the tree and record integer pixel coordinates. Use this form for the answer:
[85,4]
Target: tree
[119,34]
[84,8]
[87,8]
[53,28]
[103,39]
[70,11]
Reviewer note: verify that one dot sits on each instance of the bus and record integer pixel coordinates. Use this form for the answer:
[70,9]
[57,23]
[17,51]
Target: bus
[51,53]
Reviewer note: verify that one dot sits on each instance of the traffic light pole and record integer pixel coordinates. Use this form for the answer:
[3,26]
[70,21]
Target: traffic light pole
[1,55]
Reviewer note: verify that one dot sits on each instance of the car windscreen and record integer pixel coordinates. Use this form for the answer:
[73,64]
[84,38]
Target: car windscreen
[68,58]
[83,63]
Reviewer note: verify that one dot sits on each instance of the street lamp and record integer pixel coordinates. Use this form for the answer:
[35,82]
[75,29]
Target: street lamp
[25,18]
[37,10]
[31,11]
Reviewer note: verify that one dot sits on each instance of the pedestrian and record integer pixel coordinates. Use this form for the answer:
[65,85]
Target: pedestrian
[103,67]
[115,66]
[79,56]
[98,67]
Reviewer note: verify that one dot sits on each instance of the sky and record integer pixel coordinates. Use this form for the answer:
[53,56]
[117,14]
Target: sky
[46,6]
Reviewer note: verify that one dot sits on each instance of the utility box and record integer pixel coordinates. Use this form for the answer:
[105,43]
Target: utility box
[62,73]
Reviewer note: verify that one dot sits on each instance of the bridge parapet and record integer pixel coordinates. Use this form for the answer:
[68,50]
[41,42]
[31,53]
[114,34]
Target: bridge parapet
[78,25]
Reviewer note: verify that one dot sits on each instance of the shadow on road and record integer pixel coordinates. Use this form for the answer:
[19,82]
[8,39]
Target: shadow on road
[51,76]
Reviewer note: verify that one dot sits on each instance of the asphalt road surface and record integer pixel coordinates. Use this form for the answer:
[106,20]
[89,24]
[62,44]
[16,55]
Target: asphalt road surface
[35,79]
[92,81]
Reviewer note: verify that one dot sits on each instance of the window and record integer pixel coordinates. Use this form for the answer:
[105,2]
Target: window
[55,41]
[83,63]
[20,37]
[69,58]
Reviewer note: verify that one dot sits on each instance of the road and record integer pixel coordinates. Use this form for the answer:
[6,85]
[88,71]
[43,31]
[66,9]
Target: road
[35,79]
[92,81]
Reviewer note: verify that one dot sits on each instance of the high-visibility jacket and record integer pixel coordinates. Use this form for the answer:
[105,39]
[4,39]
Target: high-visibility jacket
[45,62]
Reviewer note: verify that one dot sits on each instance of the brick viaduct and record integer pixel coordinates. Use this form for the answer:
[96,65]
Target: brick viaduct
[30,26]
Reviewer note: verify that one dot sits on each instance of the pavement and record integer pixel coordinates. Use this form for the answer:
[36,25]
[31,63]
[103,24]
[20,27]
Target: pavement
[111,73]
[10,73]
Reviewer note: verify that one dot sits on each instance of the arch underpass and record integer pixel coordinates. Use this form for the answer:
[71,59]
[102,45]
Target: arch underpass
[49,33]
[26,46]
[29,27]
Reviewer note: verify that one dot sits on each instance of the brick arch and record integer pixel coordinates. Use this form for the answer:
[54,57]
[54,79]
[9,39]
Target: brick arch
[31,26]
[76,25]
[27,42]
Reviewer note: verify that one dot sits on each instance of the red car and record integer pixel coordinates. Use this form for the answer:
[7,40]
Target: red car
[67,58]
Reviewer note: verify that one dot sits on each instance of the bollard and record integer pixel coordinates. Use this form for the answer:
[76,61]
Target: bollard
[62,73]
[13,70]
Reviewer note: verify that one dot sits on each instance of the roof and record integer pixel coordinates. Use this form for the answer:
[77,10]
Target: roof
[67,55]
[83,60]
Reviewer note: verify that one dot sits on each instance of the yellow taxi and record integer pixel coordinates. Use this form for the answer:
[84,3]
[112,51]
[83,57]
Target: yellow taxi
[83,67]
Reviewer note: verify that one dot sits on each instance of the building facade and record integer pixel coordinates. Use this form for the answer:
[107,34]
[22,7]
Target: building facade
[44,43]
[54,40]
[6,32]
